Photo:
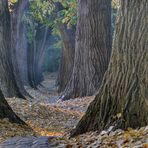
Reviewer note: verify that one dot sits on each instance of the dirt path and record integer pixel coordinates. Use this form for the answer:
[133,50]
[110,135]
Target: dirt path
[47,91]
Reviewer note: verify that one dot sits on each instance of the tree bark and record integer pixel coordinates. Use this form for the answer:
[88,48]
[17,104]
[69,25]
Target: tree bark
[16,26]
[67,58]
[68,49]
[7,112]
[122,100]
[7,79]
[92,48]
[21,54]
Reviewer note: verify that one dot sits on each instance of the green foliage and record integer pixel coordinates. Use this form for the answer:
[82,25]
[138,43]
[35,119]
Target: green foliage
[44,12]
[31,27]
[13,1]
[115,4]
[68,14]
[40,10]
[38,13]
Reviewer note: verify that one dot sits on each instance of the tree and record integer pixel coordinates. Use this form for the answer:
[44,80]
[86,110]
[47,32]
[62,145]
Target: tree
[122,99]
[53,14]
[67,36]
[67,59]
[92,48]
[7,79]
[17,40]
[21,54]
[6,111]
[36,52]
[38,31]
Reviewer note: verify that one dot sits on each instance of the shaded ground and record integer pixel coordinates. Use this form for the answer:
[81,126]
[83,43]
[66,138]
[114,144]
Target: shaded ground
[52,119]
[47,91]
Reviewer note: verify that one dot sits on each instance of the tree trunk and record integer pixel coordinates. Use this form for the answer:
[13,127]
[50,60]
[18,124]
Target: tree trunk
[43,44]
[7,112]
[68,49]
[36,52]
[67,58]
[7,78]
[92,48]
[21,54]
[122,100]
[16,26]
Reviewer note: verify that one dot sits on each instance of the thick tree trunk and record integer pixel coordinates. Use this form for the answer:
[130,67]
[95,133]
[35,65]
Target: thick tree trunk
[122,100]
[7,79]
[6,111]
[67,58]
[16,41]
[92,48]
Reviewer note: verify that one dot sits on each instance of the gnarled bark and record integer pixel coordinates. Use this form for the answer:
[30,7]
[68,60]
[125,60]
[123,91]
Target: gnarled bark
[122,100]
[7,112]
[92,48]
[7,79]
[16,41]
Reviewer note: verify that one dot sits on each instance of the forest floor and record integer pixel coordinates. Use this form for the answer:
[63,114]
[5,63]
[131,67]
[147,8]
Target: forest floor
[51,121]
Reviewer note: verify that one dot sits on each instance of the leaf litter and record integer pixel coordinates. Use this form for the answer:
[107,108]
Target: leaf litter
[57,118]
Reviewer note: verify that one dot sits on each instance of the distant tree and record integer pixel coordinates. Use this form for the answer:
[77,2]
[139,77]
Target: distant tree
[36,50]
[67,57]
[122,100]
[67,35]
[92,48]
[53,15]
[38,32]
